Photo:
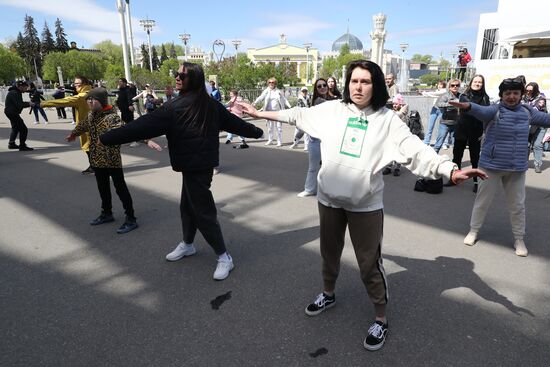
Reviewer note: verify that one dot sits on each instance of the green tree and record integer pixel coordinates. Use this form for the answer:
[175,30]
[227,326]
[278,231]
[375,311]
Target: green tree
[74,62]
[48,44]
[155,58]
[110,51]
[422,58]
[13,65]
[32,45]
[344,50]
[61,43]
[113,72]
[173,54]
[163,55]
[429,79]
[169,65]
[145,57]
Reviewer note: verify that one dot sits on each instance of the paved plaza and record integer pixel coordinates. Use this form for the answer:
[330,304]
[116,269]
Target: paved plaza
[76,295]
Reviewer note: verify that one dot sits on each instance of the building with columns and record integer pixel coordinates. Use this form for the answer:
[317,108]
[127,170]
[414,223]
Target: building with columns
[283,52]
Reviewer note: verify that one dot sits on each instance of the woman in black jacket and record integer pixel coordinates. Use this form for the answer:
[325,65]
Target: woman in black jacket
[36,97]
[191,123]
[468,130]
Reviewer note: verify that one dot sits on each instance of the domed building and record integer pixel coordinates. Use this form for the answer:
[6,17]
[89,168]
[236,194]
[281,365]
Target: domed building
[352,41]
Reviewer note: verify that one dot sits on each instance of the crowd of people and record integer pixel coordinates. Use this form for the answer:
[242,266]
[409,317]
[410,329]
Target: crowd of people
[352,138]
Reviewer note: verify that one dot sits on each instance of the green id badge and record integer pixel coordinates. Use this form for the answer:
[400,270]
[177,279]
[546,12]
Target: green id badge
[354,136]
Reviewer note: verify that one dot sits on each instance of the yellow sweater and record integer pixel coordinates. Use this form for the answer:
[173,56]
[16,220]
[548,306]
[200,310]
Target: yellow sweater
[81,107]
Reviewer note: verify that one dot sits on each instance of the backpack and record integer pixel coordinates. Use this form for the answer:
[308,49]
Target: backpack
[150,102]
[414,122]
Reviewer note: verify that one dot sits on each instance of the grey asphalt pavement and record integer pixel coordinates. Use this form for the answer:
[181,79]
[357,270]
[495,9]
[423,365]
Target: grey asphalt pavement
[76,295]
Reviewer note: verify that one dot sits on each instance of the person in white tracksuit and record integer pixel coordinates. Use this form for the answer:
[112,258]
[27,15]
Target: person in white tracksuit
[273,100]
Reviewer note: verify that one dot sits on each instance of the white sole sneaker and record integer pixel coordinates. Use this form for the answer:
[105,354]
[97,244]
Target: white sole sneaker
[182,250]
[222,269]
[304,194]
[470,239]
[521,249]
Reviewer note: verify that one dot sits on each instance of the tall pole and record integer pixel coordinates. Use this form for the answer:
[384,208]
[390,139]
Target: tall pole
[184,38]
[148,25]
[129,20]
[307,46]
[404,47]
[236,43]
[121,8]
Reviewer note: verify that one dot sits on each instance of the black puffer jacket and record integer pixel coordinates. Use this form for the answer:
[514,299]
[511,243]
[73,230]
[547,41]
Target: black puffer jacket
[189,148]
[14,102]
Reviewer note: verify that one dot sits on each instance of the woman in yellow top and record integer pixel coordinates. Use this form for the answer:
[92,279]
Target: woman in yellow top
[78,101]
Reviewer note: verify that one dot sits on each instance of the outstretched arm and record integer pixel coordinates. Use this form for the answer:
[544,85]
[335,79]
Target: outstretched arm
[253,112]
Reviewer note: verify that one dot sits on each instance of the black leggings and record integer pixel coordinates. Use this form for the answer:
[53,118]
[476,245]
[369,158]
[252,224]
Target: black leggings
[17,127]
[198,210]
[474,146]
[104,186]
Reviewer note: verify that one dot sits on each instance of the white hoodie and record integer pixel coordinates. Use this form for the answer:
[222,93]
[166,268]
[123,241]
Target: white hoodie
[354,152]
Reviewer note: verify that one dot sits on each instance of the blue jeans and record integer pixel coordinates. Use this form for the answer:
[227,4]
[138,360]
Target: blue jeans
[314,152]
[537,148]
[442,134]
[435,113]
[37,109]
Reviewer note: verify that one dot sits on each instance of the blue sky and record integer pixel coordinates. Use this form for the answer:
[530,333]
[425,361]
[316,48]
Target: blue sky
[428,26]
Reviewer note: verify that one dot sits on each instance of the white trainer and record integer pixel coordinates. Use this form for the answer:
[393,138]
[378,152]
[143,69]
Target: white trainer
[182,250]
[279,144]
[521,249]
[223,268]
[470,238]
[268,142]
[304,194]
[293,145]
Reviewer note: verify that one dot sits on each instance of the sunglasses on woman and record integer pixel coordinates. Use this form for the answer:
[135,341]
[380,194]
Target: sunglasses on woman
[180,75]
[321,86]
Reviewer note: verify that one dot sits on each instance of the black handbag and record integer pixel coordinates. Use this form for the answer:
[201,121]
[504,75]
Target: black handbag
[450,113]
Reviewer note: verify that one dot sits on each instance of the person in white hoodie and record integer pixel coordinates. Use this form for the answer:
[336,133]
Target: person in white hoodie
[359,137]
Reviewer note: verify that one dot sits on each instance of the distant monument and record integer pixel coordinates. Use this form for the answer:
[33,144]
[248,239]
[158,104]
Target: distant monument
[378,37]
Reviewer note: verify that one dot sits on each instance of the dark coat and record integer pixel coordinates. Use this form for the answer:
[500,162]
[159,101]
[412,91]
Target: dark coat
[189,148]
[124,100]
[468,127]
[14,102]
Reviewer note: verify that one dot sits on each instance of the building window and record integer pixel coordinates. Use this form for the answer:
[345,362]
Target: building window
[489,44]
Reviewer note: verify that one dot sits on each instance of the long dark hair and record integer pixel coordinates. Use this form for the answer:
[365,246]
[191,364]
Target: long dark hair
[482,97]
[536,91]
[202,107]
[379,91]
[469,90]
[316,93]
[334,93]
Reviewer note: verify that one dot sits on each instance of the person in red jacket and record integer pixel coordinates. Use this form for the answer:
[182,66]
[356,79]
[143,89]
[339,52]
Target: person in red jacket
[463,59]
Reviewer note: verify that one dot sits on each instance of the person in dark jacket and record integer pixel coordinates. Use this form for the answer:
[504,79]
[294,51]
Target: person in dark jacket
[59,94]
[124,101]
[13,106]
[191,123]
[36,97]
[468,129]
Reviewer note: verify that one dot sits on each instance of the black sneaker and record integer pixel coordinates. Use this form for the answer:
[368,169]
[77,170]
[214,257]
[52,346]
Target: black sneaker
[129,225]
[24,148]
[321,303]
[12,146]
[103,218]
[386,171]
[241,146]
[88,171]
[228,141]
[396,172]
[377,336]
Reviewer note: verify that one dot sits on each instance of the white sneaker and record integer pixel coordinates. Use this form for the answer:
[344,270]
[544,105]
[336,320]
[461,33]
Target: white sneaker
[470,238]
[279,144]
[268,142]
[305,148]
[134,144]
[223,268]
[181,250]
[445,147]
[304,194]
[521,249]
[293,145]
[36,122]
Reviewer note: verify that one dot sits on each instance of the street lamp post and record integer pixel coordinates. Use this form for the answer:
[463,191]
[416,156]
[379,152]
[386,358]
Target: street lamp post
[403,47]
[184,38]
[236,43]
[221,48]
[148,25]
[307,46]
[121,7]
[129,20]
